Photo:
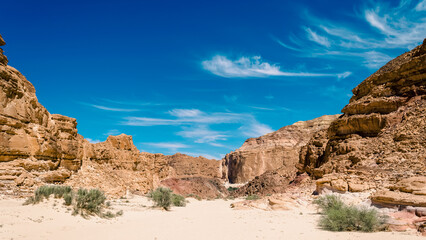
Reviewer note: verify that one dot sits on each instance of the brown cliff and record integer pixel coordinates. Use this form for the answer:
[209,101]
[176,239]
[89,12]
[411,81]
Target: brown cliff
[38,147]
[276,150]
[381,138]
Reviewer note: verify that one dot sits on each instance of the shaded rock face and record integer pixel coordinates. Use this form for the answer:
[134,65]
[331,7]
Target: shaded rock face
[381,137]
[199,187]
[273,182]
[272,151]
[37,147]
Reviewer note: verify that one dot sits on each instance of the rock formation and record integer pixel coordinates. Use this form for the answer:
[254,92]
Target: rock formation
[198,187]
[37,147]
[381,137]
[279,149]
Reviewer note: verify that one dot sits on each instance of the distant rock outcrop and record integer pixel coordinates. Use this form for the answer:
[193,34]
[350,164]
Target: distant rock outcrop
[37,147]
[276,150]
[381,138]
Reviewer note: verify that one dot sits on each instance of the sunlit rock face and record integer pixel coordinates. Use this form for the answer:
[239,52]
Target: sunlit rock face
[37,147]
[381,137]
[279,149]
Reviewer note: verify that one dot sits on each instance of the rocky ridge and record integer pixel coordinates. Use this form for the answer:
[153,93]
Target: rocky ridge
[37,147]
[276,150]
[380,140]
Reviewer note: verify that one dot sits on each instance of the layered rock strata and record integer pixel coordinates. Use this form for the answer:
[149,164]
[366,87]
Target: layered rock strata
[381,137]
[279,149]
[37,147]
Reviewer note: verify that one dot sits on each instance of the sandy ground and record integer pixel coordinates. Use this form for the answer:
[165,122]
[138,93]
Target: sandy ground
[198,220]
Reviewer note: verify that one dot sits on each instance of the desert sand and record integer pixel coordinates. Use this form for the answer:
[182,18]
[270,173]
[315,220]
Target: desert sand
[198,220]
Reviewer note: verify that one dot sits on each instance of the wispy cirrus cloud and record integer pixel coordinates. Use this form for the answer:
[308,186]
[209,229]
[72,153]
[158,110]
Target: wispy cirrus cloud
[93,140]
[113,109]
[203,134]
[254,66]
[255,129]
[172,146]
[391,27]
[195,124]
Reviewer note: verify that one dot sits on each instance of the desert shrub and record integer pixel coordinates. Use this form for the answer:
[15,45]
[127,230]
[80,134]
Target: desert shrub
[45,191]
[89,201]
[232,189]
[119,213]
[178,200]
[162,197]
[337,216]
[194,196]
[85,202]
[252,197]
[68,197]
[328,202]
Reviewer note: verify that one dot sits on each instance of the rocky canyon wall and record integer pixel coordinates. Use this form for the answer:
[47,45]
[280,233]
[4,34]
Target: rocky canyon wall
[381,138]
[276,150]
[38,147]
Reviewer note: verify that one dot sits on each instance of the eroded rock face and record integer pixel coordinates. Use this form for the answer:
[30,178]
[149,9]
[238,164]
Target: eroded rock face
[37,147]
[272,151]
[381,138]
[199,187]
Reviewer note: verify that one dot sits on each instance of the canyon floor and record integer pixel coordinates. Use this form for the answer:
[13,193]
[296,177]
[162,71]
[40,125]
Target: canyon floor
[213,219]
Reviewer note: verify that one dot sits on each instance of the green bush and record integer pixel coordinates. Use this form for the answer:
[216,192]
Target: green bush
[178,200]
[252,197]
[68,197]
[337,216]
[162,197]
[89,201]
[45,191]
[232,189]
[85,202]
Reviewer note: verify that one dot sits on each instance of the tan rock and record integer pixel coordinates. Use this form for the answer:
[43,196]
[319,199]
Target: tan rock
[34,142]
[414,185]
[381,137]
[391,198]
[279,149]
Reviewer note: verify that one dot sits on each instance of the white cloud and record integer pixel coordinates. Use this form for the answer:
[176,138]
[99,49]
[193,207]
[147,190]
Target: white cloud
[251,67]
[113,109]
[202,134]
[186,117]
[392,27]
[195,124]
[255,129]
[93,140]
[185,112]
[313,36]
[173,146]
[421,6]
[113,132]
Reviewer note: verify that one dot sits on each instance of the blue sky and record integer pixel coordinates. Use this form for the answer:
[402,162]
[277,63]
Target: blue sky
[199,77]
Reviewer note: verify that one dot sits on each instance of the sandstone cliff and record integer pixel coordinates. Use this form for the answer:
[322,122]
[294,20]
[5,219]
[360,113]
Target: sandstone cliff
[272,151]
[38,147]
[381,137]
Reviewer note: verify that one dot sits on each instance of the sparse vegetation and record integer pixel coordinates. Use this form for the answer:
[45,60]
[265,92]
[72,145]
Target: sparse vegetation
[89,201]
[178,200]
[45,191]
[337,216]
[232,189]
[252,197]
[164,198]
[85,202]
[191,195]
